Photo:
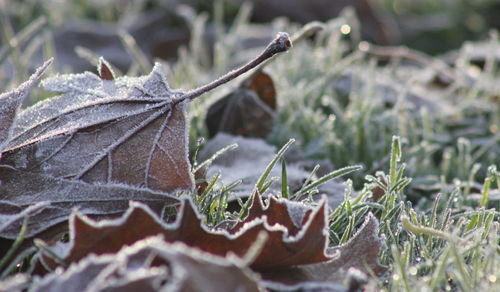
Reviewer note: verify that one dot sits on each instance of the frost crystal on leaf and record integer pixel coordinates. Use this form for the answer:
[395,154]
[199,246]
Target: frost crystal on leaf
[133,134]
[48,200]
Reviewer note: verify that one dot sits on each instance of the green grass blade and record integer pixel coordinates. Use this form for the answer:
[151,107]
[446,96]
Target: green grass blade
[284,180]
[17,243]
[334,174]
[215,156]
[259,186]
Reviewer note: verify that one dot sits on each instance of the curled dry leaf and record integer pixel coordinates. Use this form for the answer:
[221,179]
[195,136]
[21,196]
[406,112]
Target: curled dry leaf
[361,253]
[247,111]
[246,163]
[298,234]
[302,245]
[153,265]
[292,215]
[102,132]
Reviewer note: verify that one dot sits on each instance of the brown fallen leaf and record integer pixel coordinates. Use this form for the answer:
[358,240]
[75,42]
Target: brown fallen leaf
[361,253]
[297,234]
[103,135]
[153,265]
[282,248]
[290,214]
[247,111]
[49,201]
[124,131]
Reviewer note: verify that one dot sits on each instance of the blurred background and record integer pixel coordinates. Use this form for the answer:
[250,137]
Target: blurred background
[427,71]
[160,27]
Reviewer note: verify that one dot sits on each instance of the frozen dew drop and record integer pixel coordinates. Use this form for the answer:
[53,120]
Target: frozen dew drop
[492,278]
[474,72]
[13,42]
[345,29]
[325,100]
[363,46]
[396,277]
[412,271]
[493,128]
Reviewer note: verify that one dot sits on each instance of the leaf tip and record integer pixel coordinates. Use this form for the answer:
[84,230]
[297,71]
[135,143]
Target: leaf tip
[40,71]
[48,62]
[104,70]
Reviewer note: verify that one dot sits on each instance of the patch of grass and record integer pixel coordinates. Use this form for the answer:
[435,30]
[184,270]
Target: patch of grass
[439,235]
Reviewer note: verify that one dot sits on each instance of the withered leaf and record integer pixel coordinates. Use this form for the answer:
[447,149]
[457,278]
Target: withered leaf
[247,111]
[153,265]
[297,234]
[246,163]
[290,214]
[11,101]
[282,248]
[361,252]
[126,130]
[48,200]
[100,144]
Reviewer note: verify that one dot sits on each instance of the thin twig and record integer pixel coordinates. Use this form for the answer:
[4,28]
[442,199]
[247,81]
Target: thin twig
[306,31]
[281,43]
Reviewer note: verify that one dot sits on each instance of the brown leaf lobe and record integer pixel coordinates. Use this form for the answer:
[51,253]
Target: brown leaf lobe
[281,249]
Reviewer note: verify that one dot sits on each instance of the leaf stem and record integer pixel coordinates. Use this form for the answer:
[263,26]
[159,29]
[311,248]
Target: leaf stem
[281,43]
